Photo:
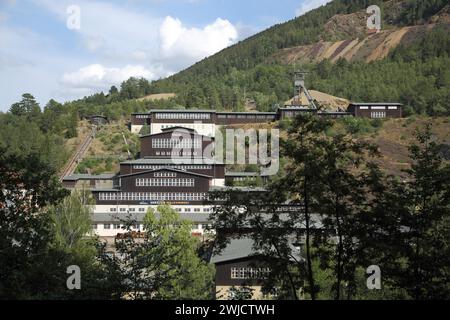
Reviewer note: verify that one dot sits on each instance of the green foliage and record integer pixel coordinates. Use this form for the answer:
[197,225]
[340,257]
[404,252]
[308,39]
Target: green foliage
[88,164]
[19,137]
[72,221]
[418,10]
[240,293]
[361,125]
[30,267]
[96,165]
[165,264]
[366,218]
[410,225]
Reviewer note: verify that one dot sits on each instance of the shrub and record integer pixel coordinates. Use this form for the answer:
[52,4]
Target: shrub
[357,125]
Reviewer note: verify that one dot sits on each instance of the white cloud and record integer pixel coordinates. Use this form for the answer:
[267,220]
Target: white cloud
[188,45]
[118,36]
[309,5]
[97,76]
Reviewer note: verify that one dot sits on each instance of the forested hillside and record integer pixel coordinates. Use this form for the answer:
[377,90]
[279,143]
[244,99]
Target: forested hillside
[414,74]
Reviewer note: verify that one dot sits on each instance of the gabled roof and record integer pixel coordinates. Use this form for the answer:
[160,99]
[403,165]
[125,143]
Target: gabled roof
[175,128]
[165,169]
[170,161]
[242,248]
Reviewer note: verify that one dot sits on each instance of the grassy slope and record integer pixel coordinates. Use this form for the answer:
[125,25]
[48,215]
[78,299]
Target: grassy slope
[396,134]
[108,149]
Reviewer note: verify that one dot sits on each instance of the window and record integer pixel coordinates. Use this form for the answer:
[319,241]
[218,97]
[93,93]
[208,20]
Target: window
[363,108]
[183,116]
[187,210]
[165,174]
[106,226]
[197,210]
[392,108]
[132,209]
[123,209]
[116,226]
[141,209]
[113,209]
[378,114]
[159,196]
[179,167]
[184,143]
[94,226]
[378,108]
[249,273]
[205,209]
[149,182]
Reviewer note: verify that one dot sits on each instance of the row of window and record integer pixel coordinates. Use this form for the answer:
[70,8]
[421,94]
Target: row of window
[244,116]
[138,226]
[171,182]
[378,114]
[125,209]
[182,116]
[114,226]
[244,178]
[179,167]
[165,174]
[151,196]
[176,153]
[176,143]
[143,116]
[249,273]
[114,209]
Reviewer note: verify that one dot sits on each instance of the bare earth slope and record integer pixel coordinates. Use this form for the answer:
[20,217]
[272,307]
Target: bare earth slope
[367,49]
[359,45]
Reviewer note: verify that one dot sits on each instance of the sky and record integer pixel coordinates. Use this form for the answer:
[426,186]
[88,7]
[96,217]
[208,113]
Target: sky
[68,49]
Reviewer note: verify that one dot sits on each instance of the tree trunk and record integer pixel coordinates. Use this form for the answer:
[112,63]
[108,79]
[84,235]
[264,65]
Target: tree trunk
[308,245]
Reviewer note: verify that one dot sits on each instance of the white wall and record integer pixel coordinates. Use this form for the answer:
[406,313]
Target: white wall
[136,128]
[218,182]
[144,208]
[206,129]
